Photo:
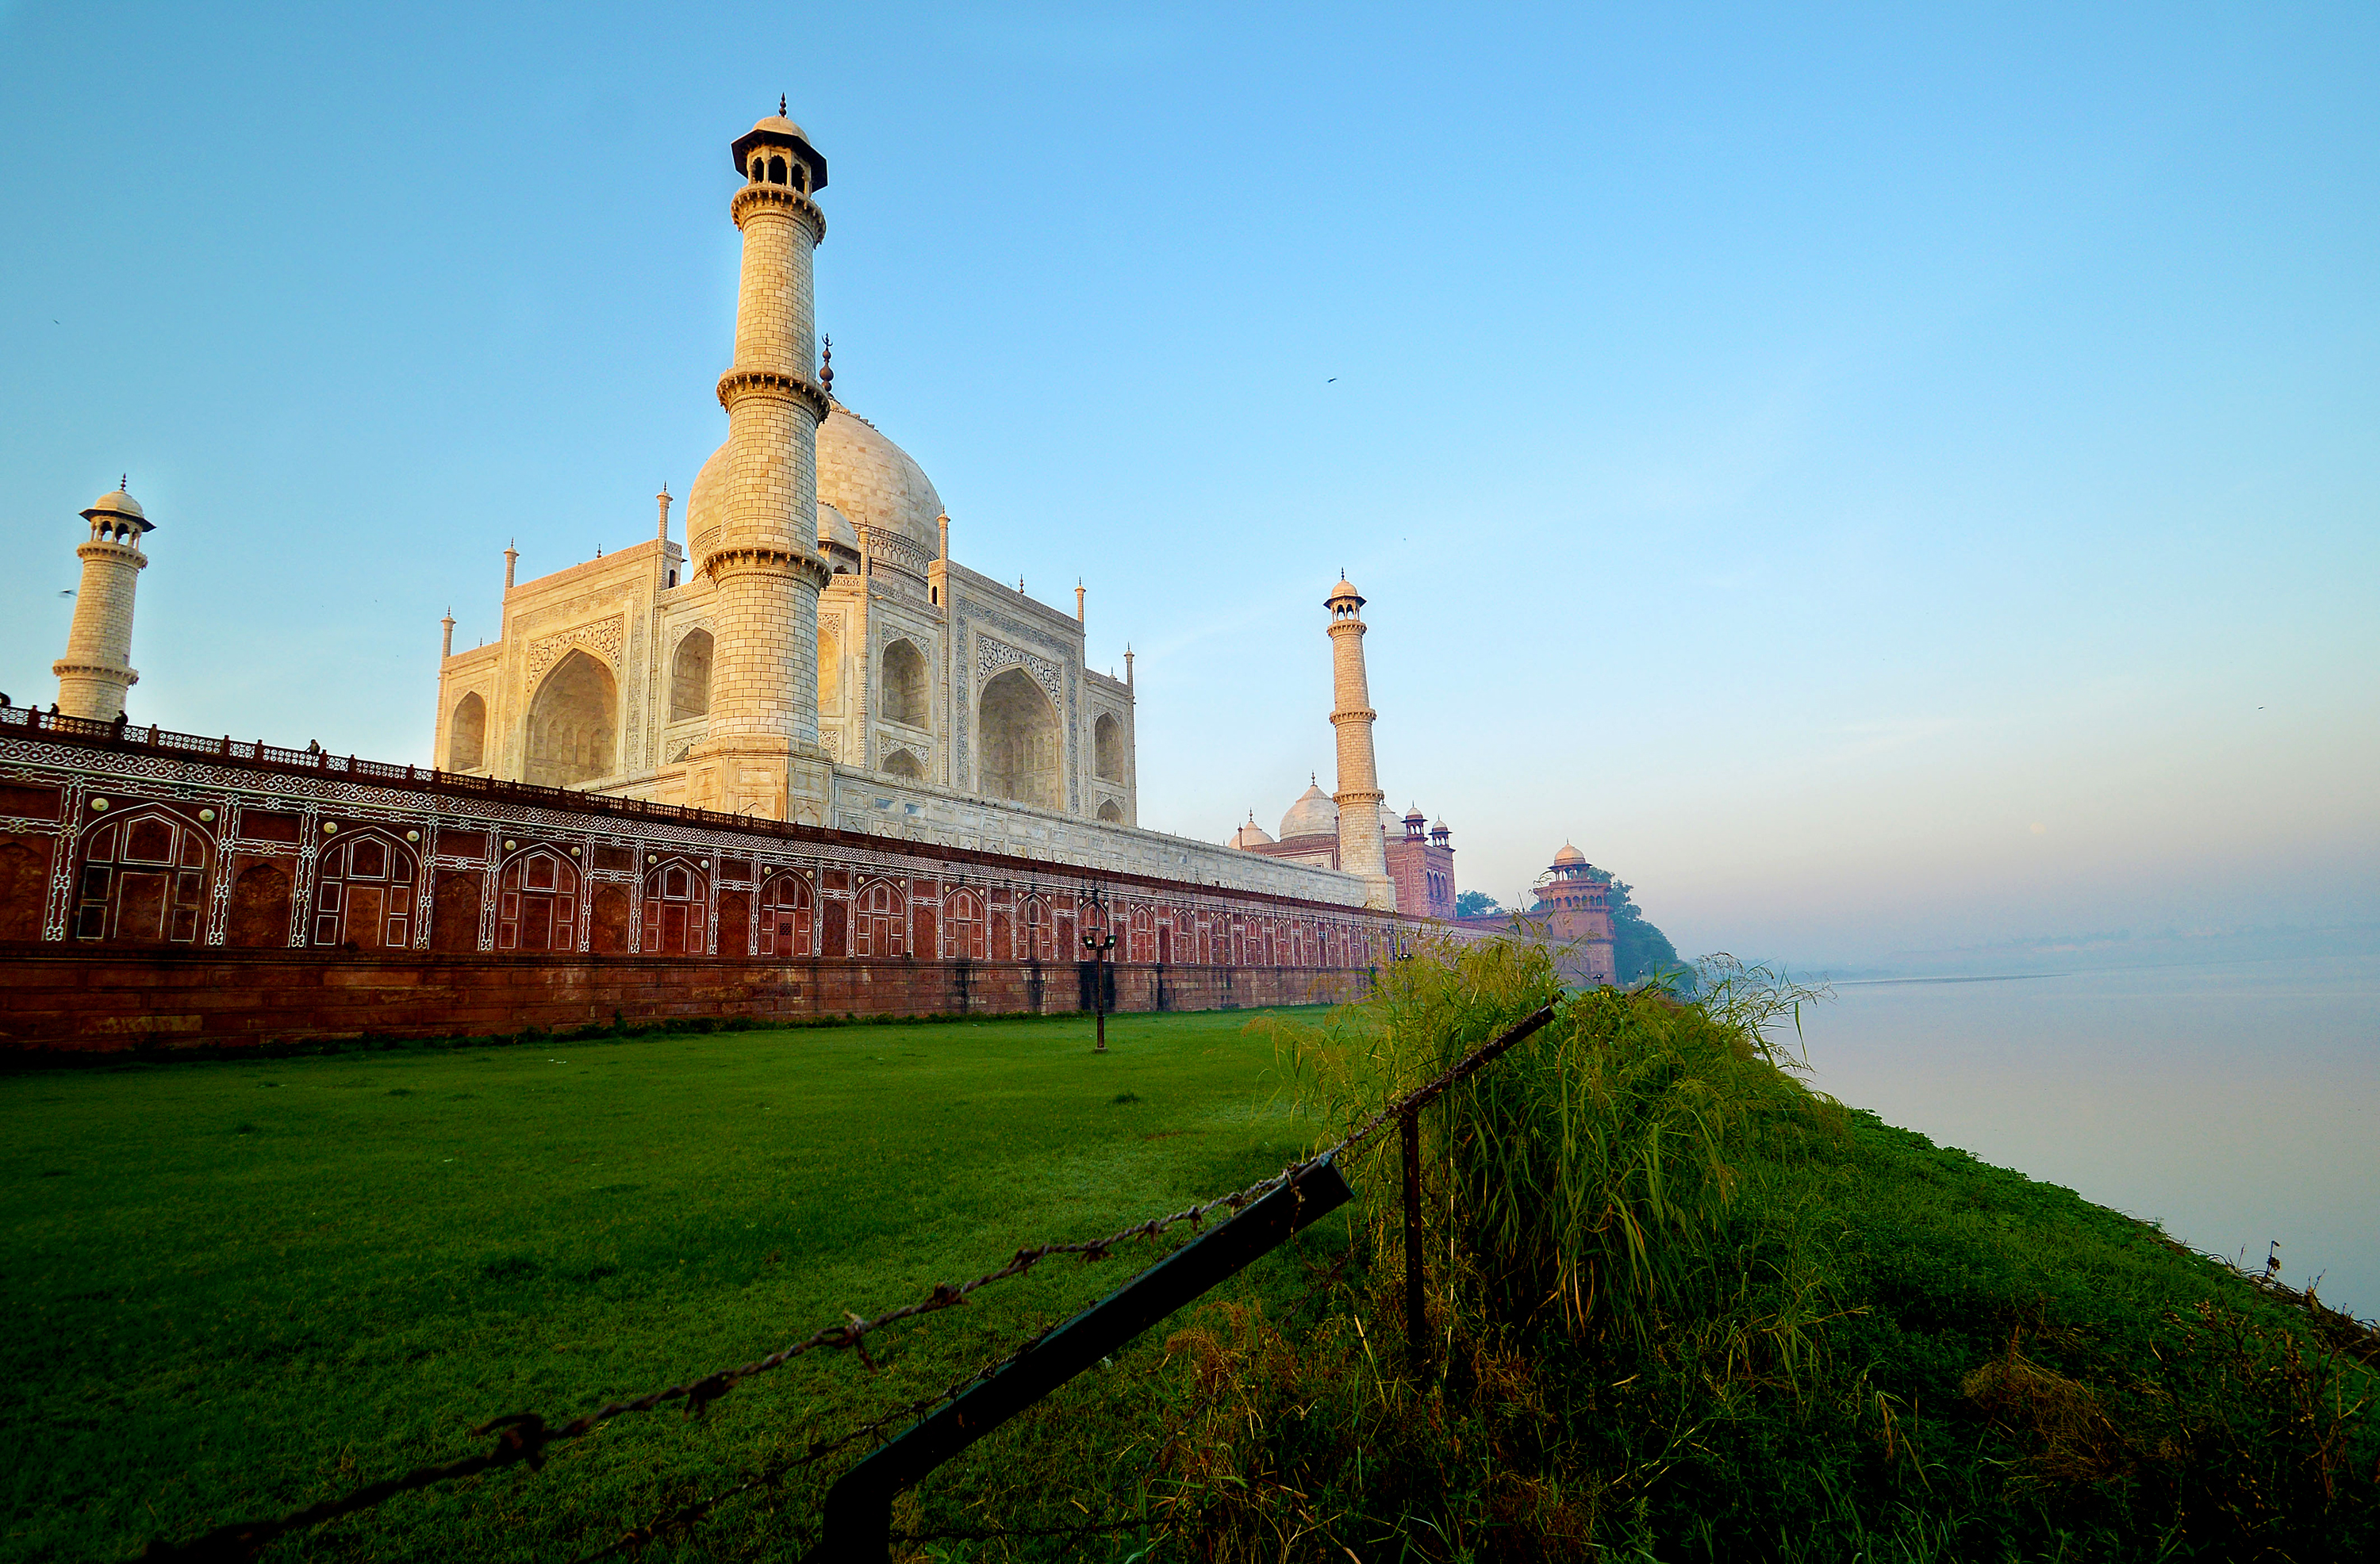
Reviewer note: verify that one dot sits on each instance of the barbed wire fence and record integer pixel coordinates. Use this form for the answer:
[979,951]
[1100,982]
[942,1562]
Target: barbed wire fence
[524,1439]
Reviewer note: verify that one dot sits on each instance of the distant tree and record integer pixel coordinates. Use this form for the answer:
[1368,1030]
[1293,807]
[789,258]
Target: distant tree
[1638,949]
[1475,904]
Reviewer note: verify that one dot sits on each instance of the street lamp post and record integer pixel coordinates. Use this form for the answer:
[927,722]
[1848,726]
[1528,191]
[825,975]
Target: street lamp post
[1097,944]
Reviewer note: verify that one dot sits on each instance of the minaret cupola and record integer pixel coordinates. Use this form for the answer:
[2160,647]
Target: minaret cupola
[115,518]
[776,152]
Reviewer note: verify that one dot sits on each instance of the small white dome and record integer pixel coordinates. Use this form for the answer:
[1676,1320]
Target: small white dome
[116,501]
[833,527]
[1249,835]
[1568,854]
[1313,815]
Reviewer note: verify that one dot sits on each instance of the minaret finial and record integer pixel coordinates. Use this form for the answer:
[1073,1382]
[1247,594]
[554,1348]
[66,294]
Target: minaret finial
[123,483]
[781,105]
[826,366]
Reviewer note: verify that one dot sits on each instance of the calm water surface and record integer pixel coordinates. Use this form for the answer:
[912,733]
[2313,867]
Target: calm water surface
[2232,1104]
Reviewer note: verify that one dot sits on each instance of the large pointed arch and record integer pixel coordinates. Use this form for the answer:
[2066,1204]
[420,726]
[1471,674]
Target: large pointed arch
[1023,752]
[574,724]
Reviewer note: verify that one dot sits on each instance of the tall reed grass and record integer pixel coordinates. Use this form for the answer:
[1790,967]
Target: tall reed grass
[1584,1178]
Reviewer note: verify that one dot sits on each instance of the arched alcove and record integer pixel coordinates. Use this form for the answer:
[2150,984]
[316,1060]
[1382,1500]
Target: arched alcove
[903,764]
[905,684]
[830,668]
[467,734]
[1109,813]
[691,677]
[1107,748]
[573,724]
[1023,758]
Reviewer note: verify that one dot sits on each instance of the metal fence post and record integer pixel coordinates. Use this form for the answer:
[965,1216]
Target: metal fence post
[1416,1322]
[858,1510]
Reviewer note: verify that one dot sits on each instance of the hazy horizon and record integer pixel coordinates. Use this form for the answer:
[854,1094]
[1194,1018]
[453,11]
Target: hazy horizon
[1876,482]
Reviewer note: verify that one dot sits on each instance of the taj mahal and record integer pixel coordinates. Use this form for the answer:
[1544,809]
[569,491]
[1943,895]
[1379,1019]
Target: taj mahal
[805,733]
[749,669]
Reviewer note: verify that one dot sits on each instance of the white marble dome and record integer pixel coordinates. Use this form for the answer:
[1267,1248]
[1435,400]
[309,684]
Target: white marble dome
[1313,815]
[1249,835]
[875,483]
[702,502]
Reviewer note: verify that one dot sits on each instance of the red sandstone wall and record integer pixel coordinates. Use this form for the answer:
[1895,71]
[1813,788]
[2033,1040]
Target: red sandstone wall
[122,999]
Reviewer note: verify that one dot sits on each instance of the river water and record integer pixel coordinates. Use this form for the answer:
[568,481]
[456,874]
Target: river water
[2233,1104]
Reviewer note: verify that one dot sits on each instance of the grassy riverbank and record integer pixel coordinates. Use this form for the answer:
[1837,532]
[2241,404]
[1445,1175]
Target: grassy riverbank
[1681,1308]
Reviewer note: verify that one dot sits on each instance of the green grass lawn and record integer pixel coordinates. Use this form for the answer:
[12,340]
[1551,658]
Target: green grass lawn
[236,1288]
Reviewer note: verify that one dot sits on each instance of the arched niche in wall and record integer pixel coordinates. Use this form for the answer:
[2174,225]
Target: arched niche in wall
[904,684]
[830,668]
[467,733]
[574,724]
[1110,813]
[1107,748]
[900,763]
[1023,754]
[691,677]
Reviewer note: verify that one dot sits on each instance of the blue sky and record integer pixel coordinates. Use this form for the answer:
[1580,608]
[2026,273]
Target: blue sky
[1877,479]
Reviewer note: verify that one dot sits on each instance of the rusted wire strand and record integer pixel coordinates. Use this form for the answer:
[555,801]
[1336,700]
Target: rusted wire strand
[1424,1095]
[691,1513]
[524,1438]
[687,1516]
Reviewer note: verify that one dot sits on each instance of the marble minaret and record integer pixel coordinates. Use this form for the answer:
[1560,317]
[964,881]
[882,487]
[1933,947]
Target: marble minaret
[97,668]
[753,511]
[1361,851]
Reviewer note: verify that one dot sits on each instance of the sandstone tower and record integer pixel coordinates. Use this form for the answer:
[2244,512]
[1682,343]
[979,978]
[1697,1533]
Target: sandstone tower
[1361,851]
[752,514]
[97,668]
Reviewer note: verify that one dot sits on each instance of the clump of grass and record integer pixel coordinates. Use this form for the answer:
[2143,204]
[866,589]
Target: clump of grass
[1588,1174]
[1126,1096]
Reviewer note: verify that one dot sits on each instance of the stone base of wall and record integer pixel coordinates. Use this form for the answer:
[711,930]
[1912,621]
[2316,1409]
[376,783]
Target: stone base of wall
[147,1001]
